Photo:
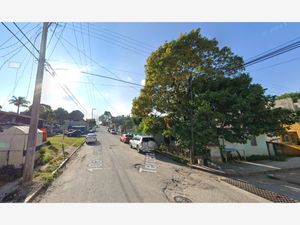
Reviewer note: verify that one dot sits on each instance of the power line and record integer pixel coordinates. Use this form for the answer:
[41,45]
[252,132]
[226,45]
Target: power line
[101,66]
[76,41]
[274,53]
[273,49]
[19,40]
[61,34]
[56,25]
[15,43]
[64,87]
[122,45]
[26,37]
[122,40]
[111,78]
[127,37]
[277,64]
[17,52]
[13,36]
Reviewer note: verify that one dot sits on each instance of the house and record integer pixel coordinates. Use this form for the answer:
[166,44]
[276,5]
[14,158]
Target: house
[13,143]
[257,145]
[17,119]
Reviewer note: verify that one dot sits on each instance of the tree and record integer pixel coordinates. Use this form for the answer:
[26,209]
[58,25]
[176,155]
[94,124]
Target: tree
[60,115]
[76,115]
[105,118]
[91,122]
[46,112]
[0,107]
[19,102]
[194,88]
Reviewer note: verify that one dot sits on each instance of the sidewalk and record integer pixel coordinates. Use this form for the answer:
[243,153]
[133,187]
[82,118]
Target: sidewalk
[243,168]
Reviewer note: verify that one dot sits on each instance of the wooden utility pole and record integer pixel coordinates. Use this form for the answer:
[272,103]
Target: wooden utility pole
[32,135]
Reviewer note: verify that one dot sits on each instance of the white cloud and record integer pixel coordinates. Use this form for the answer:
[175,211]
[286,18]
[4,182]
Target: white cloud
[143,82]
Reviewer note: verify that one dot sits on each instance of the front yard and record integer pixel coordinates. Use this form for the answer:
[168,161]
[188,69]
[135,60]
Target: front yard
[51,155]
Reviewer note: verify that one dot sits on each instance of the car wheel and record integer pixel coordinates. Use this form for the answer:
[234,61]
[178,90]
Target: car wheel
[130,145]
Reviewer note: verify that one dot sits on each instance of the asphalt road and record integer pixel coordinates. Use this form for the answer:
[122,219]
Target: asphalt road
[109,172]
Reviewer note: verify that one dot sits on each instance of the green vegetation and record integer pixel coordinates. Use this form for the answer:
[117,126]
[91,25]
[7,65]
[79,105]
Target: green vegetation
[294,95]
[51,155]
[192,83]
[279,157]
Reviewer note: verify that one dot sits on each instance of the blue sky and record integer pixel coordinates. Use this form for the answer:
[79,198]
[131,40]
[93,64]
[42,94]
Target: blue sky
[125,56]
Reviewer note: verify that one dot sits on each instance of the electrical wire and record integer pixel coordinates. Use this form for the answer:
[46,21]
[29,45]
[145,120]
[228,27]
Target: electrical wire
[19,40]
[12,36]
[111,78]
[61,34]
[98,64]
[127,37]
[26,37]
[124,46]
[56,25]
[122,40]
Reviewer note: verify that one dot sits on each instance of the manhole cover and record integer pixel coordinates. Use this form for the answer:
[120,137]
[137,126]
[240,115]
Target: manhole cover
[181,199]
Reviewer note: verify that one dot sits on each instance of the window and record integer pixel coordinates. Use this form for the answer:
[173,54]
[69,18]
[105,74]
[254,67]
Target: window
[253,141]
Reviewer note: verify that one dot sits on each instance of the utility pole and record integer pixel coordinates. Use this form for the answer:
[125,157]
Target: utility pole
[92,112]
[32,135]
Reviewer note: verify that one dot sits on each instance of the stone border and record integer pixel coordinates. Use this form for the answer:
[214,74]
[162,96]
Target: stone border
[31,197]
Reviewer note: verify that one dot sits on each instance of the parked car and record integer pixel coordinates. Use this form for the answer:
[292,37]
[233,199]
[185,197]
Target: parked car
[75,133]
[93,130]
[91,138]
[113,131]
[126,138]
[143,143]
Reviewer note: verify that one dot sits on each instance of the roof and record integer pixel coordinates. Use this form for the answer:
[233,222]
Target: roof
[16,114]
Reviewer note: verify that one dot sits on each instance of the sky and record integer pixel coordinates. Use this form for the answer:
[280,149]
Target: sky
[120,50]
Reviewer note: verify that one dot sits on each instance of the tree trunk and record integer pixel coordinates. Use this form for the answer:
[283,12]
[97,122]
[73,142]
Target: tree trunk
[18,109]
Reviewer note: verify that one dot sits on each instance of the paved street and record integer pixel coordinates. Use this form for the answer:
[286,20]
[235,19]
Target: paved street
[109,172]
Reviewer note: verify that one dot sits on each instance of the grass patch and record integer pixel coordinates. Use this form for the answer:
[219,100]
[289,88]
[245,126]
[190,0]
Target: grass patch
[266,157]
[51,155]
[173,155]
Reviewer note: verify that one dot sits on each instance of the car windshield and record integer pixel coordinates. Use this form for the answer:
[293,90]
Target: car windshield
[129,135]
[146,139]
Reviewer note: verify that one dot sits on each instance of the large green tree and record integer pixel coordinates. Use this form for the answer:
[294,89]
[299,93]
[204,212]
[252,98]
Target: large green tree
[76,115]
[46,112]
[200,94]
[60,115]
[19,102]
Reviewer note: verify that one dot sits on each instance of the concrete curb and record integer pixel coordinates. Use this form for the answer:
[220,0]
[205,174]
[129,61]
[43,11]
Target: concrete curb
[31,197]
[208,169]
[203,168]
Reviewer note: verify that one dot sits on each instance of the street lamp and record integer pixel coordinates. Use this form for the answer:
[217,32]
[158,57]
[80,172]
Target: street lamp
[92,112]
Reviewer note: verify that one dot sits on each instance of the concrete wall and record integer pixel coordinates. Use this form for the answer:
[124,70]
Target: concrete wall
[260,149]
[286,103]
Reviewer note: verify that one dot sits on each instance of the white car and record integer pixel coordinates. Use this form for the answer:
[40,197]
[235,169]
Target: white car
[143,143]
[91,138]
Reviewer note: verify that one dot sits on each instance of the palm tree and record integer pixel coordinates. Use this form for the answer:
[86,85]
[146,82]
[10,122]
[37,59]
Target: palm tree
[20,101]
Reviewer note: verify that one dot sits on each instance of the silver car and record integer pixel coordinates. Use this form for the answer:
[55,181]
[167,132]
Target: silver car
[143,143]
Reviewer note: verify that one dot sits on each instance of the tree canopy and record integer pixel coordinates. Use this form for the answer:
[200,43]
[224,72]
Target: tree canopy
[19,102]
[194,87]
[60,115]
[76,115]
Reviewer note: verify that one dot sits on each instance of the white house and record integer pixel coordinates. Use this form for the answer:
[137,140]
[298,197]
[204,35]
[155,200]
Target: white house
[259,145]
[13,142]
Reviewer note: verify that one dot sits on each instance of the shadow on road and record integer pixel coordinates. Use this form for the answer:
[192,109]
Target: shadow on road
[94,143]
